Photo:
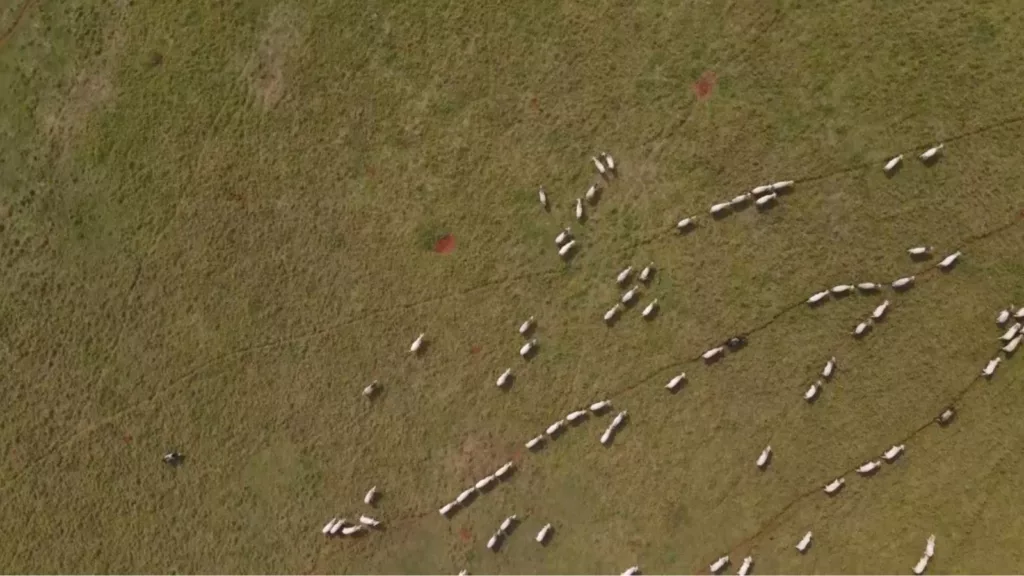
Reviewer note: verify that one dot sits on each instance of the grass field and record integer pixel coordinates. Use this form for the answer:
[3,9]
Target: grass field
[216,227]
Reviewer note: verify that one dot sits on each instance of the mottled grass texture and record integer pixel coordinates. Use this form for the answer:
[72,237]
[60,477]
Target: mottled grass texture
[217,225]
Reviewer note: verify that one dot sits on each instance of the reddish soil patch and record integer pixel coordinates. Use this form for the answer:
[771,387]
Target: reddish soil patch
[534,104]
[127,438]
[445,244]
[474,349]
[465,534]
[705,85]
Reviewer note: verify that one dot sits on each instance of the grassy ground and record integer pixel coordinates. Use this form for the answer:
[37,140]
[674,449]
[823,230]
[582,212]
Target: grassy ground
[215,229]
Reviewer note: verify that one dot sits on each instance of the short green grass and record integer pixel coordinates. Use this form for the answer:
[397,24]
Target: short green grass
[215,229]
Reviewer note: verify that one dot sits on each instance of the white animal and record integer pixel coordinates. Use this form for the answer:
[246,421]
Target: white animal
[804,542]
[929,546]
[543,534]
[868,286]
[1019,314]
[447,508]
[675,381]
[463,572]
[554,428]
[543,197]
[591,194]
[645,274]
[504,378]
[949,260]
[741,199]
[1011,333]
[879,310]
[869,467]
[762,460]
[712,353]
[990,368]
[649,309]
[785,184]
[500,473]
[762,189]
[842,289]
[367,521]
[718,208]
[931,152]
[631,571]
[834,486]
[920,250]
[597,164]
[903,282]
[533,442]
[338,525]
[572,417]
[628,296]
[608,160]
[525,327]
[717,565]
[921,565]
[599,406]
[507,523]
[327,527]
[566,248]
[493,542]
[818,297]
[372,389]
[579,209]
[892,164]
[1003,317]
[1011,347]
[465,495]
[745,567]
[607,435]
[417,343]
[525,349]
[619,419]
[685,224]
[563,236]
[612,312]
[829,368]
[483,483]
[862,328]
[350,530]
[893,453]
[812,392]
[624,275]
[371,496]
[766,199]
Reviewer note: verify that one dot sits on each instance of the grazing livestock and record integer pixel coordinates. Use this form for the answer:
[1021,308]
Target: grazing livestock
[500,473]
[842,289]
[869,468]
[564,236]
[173,458]
[1012,345]
[717,209]
[507,523]
[1011,333]
[812,392]
[528,348]
[946,417]
[600,406]
[632,571]
[948,261]
[591,194]
[929,546]
[880,310]
[338,525]
[504,378]
[745,566]
[765,200]
[829,368]
[931,153]
[783,185]
[543,195]
[526,326]
[484,483]
[572,417]
[1003,317]
[834,486]
[621,278]
[921,565]
[597,164]
[612,313]
[868,286]
[736,342]
[804,542]
[534,442]
[893,453]
[762,189]
[543,534]
[712,353]
[919,251]
[492,544]
[367,521]
[465,495]
[862,328]
[327,527]
[1019,314]
[648,310]
[903,283]
[619,419]
[371,496]
[685,224]
[447,508]
[719,564]
[607,435]
[990,368]
[892,164]
[371,390]
[762,460]
[555,428]
[645,274]
[579,209]
[417,344]
[740,200]
[566,248]
[463,572]
[675,382]
[608,161]
[628,296]
[818,297]
[351,530]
